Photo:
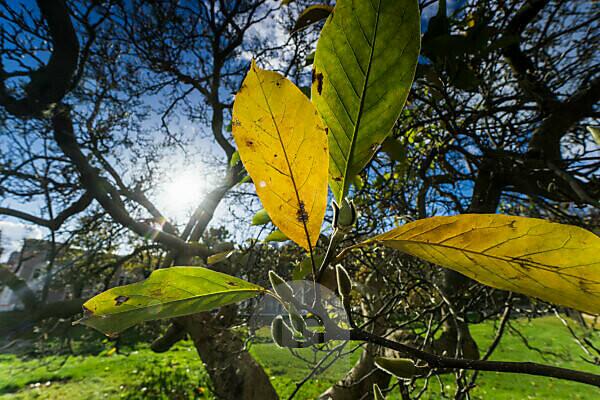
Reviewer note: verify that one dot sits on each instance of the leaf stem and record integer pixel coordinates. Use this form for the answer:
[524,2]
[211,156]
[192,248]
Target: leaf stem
[336,237]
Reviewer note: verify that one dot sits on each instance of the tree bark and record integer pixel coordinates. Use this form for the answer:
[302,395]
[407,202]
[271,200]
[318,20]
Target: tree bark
[358,382]
[13,322]
[234,373]
[360,379]
[456,337]
[49,84]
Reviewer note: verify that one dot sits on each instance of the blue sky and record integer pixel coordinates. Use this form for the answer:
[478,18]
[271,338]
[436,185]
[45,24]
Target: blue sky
[180,169]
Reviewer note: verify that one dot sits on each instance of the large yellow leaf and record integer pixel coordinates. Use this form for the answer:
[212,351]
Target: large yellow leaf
[554,262]
[283,145]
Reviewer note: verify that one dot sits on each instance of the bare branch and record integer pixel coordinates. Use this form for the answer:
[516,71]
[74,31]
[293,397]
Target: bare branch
[49,84]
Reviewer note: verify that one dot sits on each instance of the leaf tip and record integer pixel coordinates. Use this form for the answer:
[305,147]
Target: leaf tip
[253,67]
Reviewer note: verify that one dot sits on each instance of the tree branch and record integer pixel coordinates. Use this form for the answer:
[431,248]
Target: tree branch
[14,321]
[521,65]
[441,362]
[545,141]
[49,84]
[53,224]
[106,194]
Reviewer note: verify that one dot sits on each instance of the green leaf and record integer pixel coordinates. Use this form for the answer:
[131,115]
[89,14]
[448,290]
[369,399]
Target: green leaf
[364,66]
[398,367]
[309,60]
[311,15]
[167,293]
[276,236]
[554,262]
[261,217]
[394,149]
[358,182]
[219,257]
[377,395]
[245,179]
[304,267]
[235,158]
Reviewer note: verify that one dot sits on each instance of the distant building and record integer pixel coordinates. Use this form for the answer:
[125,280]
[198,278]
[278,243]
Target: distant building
[31,262]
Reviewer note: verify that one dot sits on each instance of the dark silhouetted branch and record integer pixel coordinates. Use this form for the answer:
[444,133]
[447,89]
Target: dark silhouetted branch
[441,362]
[49,84]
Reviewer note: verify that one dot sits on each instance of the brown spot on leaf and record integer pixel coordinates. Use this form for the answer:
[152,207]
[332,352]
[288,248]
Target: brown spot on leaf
[319,77]
[232,283]
[120,300]
[327,131]
[249,143]
[301,214]
[337,178]
[524,266]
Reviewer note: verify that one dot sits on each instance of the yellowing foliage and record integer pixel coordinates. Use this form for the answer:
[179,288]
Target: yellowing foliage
[283,145]
[554,262]
[168,292]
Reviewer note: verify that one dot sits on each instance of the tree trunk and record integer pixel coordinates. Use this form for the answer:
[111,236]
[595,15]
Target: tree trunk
[358,382]
[233,371]
[456,339]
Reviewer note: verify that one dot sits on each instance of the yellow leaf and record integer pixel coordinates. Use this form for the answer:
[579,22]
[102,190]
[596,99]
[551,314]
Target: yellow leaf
[276,236]
[595,131]
[554,262]
[283,145]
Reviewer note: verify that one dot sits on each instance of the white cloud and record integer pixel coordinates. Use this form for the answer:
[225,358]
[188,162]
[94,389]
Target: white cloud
[270,33]
[13,234]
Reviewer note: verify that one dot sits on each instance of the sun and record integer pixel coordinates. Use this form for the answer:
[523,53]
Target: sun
[181,191]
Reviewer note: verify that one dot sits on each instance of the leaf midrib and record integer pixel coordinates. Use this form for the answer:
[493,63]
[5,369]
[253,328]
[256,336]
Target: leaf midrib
[173,302]
[361,104]
[532,264]
[287,161]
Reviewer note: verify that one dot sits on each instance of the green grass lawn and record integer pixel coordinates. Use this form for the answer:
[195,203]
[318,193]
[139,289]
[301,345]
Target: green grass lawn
[131,375]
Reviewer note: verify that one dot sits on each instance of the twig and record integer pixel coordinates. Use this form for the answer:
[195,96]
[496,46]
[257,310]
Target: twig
[436,361]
